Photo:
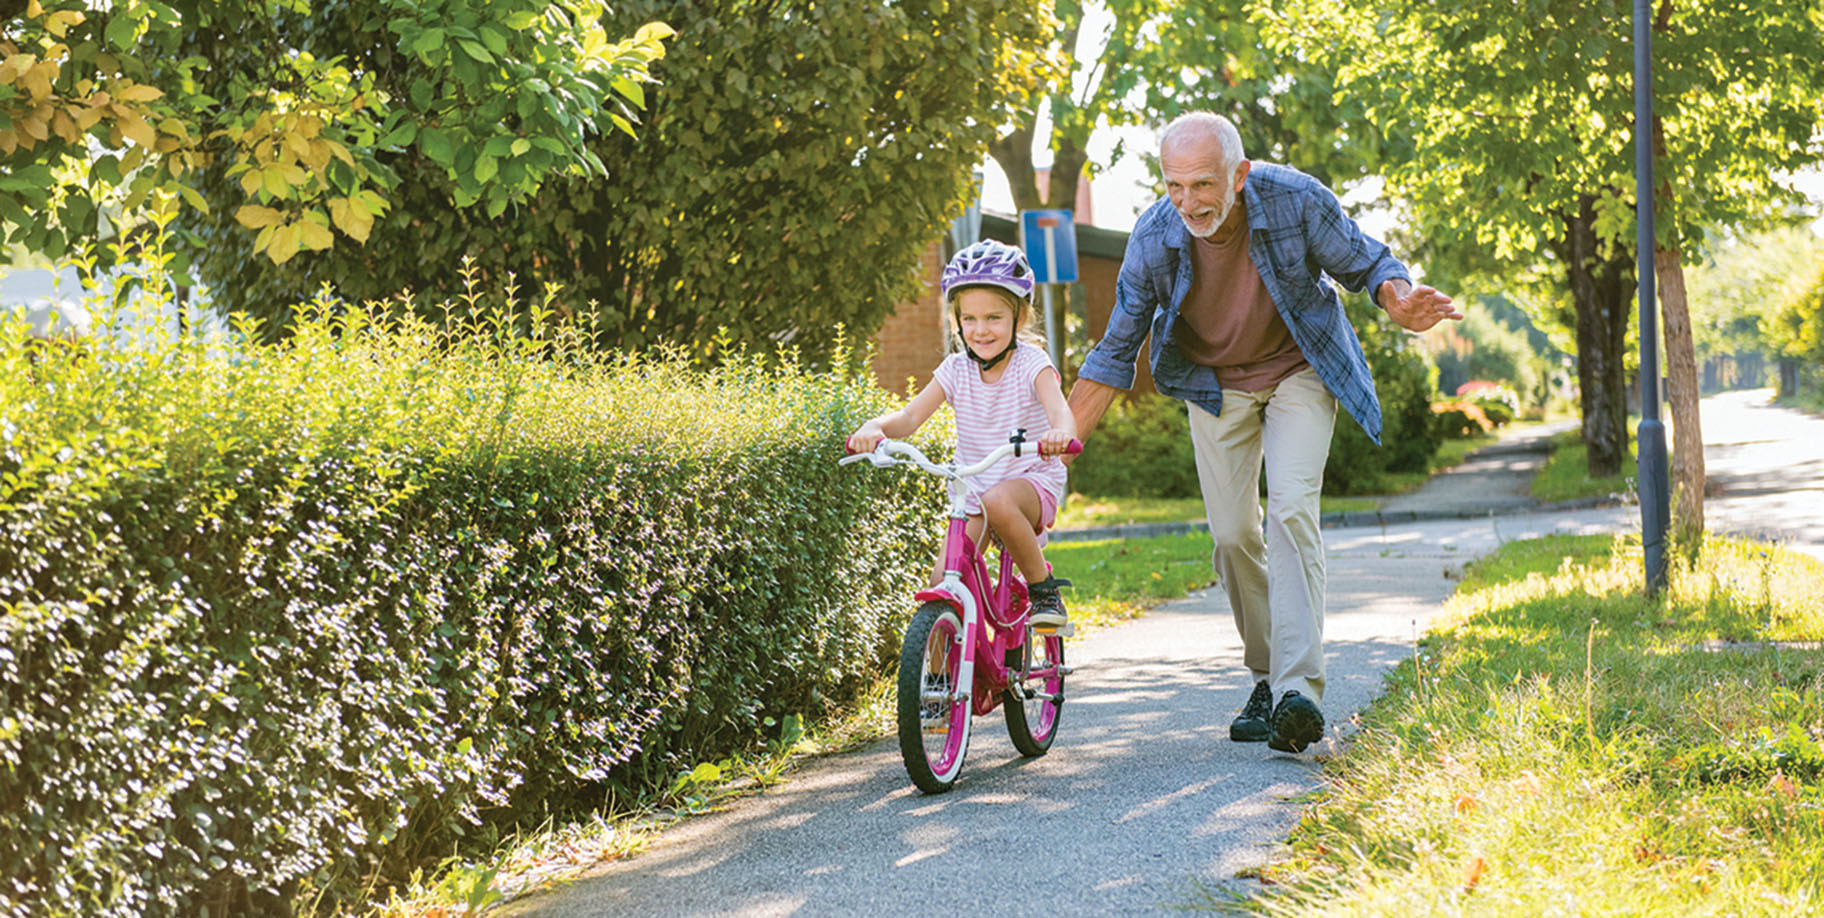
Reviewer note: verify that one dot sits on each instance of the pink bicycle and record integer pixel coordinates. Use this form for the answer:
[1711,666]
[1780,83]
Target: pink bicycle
[969,647]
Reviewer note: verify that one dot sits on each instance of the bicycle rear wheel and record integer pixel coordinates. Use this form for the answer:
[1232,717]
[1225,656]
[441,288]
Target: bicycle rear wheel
[1032,721]
[933,710]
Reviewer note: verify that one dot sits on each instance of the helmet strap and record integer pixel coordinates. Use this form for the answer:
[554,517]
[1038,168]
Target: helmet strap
[987,363]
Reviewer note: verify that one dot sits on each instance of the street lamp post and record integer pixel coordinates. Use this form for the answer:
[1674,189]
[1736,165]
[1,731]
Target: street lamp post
[1650,444]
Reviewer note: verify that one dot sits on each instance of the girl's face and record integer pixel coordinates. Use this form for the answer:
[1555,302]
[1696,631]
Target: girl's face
[986,321]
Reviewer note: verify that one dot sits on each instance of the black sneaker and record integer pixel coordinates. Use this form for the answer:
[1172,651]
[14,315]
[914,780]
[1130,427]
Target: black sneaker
[1047,606]
[1297,723]
[1251,726]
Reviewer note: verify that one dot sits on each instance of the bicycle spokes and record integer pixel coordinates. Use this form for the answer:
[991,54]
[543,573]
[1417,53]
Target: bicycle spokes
[933,702]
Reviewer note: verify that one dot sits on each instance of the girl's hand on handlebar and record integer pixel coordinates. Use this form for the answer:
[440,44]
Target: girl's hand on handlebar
[1057,442]
[864,439]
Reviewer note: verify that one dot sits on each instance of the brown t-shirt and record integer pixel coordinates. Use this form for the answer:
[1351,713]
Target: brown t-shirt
[1227,321]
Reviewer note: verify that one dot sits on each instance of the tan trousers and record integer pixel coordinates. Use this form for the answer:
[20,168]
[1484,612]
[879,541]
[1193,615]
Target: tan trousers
[1276,583]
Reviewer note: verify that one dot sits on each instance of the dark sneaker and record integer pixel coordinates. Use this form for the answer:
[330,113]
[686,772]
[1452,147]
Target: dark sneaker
[1252,726]
[1047,606]
[1297,723]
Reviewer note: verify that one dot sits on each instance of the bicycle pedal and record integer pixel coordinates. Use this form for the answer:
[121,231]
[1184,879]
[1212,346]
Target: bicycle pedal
[1068,630]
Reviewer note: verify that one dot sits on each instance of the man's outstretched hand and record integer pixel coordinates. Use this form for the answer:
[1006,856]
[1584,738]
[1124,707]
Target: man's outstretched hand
[1415,308]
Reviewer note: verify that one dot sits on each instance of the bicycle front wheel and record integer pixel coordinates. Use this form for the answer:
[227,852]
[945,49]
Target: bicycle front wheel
[1033,710]
[933,709]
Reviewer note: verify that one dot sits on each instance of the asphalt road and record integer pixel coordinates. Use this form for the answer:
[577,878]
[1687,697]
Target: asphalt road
[1143,801]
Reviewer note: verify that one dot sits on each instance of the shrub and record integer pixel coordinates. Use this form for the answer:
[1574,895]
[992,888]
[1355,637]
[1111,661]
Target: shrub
[1141,448]
[277,621]
[1460,420]
[1404,382]
[1499,404]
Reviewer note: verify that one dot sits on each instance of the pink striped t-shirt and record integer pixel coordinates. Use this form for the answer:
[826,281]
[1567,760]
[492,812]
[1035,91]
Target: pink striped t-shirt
[986,413]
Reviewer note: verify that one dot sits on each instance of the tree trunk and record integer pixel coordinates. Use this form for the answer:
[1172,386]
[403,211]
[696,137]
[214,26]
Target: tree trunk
[1013,153]
[1601,287]
[1068,156]
[1682,392]
[1681,352]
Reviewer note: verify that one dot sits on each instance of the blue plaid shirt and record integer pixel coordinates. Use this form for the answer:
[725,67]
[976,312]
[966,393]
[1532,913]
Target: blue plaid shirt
[1298,237]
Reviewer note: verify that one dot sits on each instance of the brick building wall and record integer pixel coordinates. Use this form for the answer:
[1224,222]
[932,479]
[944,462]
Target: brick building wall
[911,343]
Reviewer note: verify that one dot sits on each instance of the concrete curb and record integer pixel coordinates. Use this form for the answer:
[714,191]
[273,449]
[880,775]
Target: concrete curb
[1340,520]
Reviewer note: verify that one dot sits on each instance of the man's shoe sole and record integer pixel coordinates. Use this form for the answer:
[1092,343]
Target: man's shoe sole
[1249,730]
[1297,728]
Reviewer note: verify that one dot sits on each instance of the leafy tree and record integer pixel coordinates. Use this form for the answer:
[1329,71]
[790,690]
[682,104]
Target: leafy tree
[1161,58]
[1484,347]
[294,126]
[1795,325]
[1742,283]
[795,159]
[1520,122]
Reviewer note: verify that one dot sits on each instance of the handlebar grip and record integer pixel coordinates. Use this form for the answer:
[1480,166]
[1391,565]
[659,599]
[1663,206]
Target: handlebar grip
[1075,447]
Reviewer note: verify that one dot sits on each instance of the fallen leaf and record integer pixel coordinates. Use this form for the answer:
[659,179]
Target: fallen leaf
[1466,803]
[1472,872]
[1782,785]
[1528,783]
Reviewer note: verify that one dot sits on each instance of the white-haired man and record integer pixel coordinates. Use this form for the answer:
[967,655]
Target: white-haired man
[1227,273]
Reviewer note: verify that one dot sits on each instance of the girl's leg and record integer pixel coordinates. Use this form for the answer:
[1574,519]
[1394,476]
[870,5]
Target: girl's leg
[1013,509]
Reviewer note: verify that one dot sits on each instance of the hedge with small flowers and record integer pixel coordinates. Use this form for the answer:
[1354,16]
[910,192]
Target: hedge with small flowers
[279,619]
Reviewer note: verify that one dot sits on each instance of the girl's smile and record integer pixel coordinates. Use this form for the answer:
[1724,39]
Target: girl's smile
[986,322]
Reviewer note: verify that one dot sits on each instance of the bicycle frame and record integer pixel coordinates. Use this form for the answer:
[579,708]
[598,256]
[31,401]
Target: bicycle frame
[993,611]
[987,649]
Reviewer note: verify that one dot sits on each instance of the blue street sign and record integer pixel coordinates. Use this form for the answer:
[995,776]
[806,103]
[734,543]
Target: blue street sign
[1050,239]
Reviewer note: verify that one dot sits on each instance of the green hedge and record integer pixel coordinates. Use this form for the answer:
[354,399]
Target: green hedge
[280,621]
[1141,448]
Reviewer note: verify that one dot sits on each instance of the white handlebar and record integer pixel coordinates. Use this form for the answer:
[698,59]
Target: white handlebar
[898,452]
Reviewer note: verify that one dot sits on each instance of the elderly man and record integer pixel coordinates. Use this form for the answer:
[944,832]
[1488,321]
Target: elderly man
[1228,275]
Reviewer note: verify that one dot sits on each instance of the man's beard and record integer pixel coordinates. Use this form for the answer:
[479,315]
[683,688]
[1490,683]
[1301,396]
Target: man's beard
[1222,216]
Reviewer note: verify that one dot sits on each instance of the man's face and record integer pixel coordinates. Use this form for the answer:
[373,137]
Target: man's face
[1197,185]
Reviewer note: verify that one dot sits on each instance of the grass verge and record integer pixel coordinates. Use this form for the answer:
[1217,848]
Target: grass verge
[1566,474]
[1562,745]
[1081,512]
[1113,581]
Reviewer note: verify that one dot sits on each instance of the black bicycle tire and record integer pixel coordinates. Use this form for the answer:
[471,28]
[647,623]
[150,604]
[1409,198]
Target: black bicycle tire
[912,668]
[1019,729]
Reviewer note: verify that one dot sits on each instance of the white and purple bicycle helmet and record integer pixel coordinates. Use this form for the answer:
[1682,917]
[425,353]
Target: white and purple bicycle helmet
[989,263]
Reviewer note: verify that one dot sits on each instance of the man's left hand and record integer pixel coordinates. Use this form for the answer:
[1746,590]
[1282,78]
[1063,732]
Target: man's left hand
[1416,308]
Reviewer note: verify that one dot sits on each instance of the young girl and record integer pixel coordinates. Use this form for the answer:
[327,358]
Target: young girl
[996,384]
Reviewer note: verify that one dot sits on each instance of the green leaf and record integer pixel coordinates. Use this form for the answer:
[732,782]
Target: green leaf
[401,136]
[122,28]
[422,94]
[476,51]
[495,41]
[428,41]
[486,168]
[435,145]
